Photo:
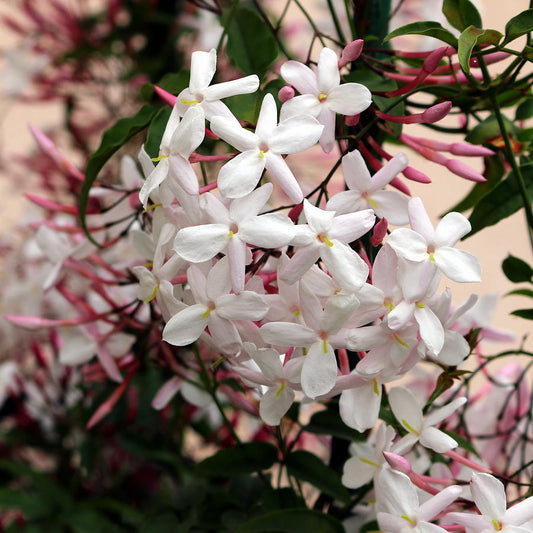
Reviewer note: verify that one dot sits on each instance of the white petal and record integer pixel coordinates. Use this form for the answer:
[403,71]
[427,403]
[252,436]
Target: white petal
[272,230]
[458,265]
[225,335]
[419,219]
[300,76]
[182,172]
[236,254]
[287,334]
[406,409]
[432,507]
[267,119]
[344,265]
[489,496]
[295,134]
[350,227]
[203,67]
[306,105]
[346,202]
[166,392]
[390,169]
[250,205]
[357,473]
[246,305]
[328,70]
[319,221]
[349,99]
[301,262]
[319,371]
[408,244]
[274,404]
[283,176]
[185,327]
[239,176]
[431,329]
[189,134]
[328,118]
[391,205]
[520,513]
[455,348]
[200,243]
[450,229]
[246,85]
[234,134]
[356,172]
[351,402]
[156,177]
[437,440]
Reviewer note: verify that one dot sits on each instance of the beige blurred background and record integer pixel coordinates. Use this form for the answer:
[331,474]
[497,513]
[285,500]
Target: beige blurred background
[491,245]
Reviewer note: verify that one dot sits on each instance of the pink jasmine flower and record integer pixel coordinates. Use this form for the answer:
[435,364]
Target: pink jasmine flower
[262,150]
[322,95]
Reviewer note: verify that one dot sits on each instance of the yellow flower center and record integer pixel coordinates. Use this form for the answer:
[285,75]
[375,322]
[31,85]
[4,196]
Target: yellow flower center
[322,97]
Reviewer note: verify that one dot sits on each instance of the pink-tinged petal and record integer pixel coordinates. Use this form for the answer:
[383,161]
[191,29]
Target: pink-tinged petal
[300,76]
[167,391]
[244,306]
[287,334]
[203,67]
[352,400]
[319,221]
[417,279]
[344,265]
[170,128]
[408,244]
[77,350]
[218,280]
[489,496]
[349,99]
[455,349]
[398,493]
[267,119]
[357,472]
[236,254]
[431,329]
[246,85]
[384,271]
[319,371]
[250,205]
[432,507]
[295,134]
[428,527]
[400,316]
[520,513]
[156,177]
[338,309]
[310,306]
[218,109]
[272,230]
[189,134]
[387,173]
[442,413]
[274,404]
[420,220]
[283,176]
[268,360]
[346,202]
[356,172]
[406,409]
[304,105]
[328,71]
[365,338]
[239,176]
[450,229]
[200,243]
[187,326]
[327,139]
[351,226]
[390,523]
[301,262]
[224,334]
[390,205]
[182,172]
[234,134]
[436,440]
[458,265]
[474,521]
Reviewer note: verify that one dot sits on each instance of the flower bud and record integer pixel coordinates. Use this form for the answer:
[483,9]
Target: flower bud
[351,52]
[285,94]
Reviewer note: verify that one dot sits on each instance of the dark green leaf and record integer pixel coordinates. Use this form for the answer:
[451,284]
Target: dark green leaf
[241,459]
[30,504]
[371,80]
[524,110]
[467,41]
[161,523]
[113,139]
[292,521]
[384,104]
[283,498]
[329,422]
[461,14]
[519,25]
[489,129]
[516,269]
[521,292]
[369,527]
[251,45]
[431,29]
[306,466]
[501,202]
[524,313]
[156,130]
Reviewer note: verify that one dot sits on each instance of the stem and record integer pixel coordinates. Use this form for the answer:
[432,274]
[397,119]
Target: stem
[311,22]
[336,22]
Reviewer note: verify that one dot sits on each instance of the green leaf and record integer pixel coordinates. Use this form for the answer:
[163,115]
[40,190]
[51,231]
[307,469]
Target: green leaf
[329,422]
[516,269]
[305,466]
[501,202]
[461,14]
[292,521]
[156,130]
[489,129]
[113,139]
[428,28]
[524,110]
[470,38]
[521,292]
[251,46]
[31,505]
[523,313]
[518,26]
[241,459]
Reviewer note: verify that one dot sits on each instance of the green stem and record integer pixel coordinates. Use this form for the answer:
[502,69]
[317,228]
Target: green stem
[311,22]
[336,22]
[509,155]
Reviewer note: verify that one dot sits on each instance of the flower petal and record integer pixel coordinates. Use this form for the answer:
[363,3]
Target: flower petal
[349,99]
[239,176]
[328,71]
[458,265]
[300,76]
[200,243]
[186,327]
[319,371]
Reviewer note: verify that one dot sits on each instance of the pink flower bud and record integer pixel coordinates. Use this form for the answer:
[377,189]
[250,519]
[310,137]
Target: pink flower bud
[399,463]
[415,175]
[469,150]
[379,232]
[432,61]
[351,52]
[436,112]
[464,171]
[285,94]
[168,98]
